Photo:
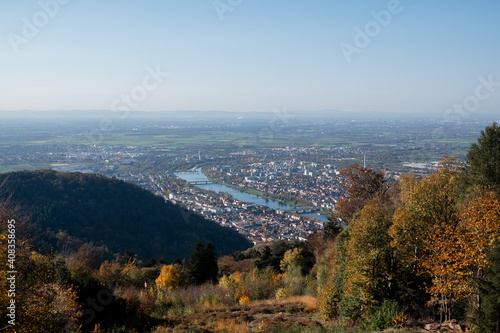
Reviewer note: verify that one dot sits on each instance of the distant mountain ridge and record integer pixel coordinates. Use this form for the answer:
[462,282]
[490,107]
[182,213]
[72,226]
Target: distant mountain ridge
[175,114]
[113,213]
[277,114]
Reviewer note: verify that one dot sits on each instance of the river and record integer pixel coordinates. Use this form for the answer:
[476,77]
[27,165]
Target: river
[197,175]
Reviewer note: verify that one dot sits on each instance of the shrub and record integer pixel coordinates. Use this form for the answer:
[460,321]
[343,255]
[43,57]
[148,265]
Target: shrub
[350,308]
[282,293]
[295,283]
[164,302]
[209,300]
[255,284]
[245,300]
[161,329]
[384,316]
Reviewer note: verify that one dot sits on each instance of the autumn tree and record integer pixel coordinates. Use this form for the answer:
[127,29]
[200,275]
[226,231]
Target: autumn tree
[168,279]
[370,258]
[291,265]
[254,284]
[317,243]
[110,274]
[81,265]
[479,230]
[44,301]
[292,260]
[458,254]
[480,226]
[362,185]
[329,282]
[46,305]
[445,238]
[425,206]
[426,216]
[483,168]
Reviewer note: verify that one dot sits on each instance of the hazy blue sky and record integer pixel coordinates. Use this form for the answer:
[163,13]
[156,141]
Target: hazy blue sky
[250,55]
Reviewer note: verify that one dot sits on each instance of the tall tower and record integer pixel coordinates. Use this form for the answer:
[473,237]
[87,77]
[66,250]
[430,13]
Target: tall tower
[364,160]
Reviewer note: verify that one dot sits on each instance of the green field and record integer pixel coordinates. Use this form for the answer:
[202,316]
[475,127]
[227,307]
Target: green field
[16,167]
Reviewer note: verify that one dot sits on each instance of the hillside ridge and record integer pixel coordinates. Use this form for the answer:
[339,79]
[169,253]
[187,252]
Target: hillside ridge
[111,212]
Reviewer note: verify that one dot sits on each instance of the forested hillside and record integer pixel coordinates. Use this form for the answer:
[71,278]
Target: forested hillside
[112,213]
[417,249]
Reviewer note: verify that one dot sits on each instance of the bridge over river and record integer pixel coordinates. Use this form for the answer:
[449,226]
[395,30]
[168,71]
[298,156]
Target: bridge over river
[201,182]
[304,210]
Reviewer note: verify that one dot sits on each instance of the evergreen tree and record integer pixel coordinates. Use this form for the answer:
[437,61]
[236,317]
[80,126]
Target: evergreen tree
[127,257]
[151,262]
[483,160]
[196,264]
[211,265]
[487,317]
[332,228]
[265,258]
[203,264]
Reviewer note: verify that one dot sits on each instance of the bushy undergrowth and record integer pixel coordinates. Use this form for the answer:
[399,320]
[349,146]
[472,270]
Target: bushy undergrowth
[384,316]
[190,299]
[255,284]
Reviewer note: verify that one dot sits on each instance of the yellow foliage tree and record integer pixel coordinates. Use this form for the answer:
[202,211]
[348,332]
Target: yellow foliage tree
[292,260]
[425,205]
[369,254]
[168,279]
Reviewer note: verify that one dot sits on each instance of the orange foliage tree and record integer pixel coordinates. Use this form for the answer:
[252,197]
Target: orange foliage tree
[457,255]
[480,230]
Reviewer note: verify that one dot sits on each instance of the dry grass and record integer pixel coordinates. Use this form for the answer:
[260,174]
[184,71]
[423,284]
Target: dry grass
[293,314]
[230,325]
[192,295]
[309,301]
[161,329]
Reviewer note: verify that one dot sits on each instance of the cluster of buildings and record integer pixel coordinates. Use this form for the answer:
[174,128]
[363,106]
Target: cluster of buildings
[307,183]
[258,223]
